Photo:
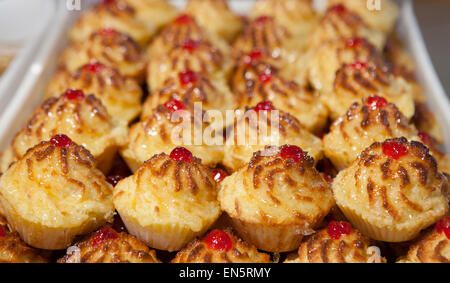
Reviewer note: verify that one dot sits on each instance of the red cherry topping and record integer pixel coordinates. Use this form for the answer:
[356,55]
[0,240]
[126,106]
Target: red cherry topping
[358,65]
[292,152]
[254,55]
[376,102]
[107,32]
[264,106]
[443,226]
[94,67]
[183,19]
[337,9]
[181,154]
[327,177]
[265,77]
[187,77]
[394,149]
[106,233]
[338,228]
[113,179]
[425,138]
[74,94]
[2,232]
[61,141]
[190,45]
[262,19]
[174,105]
[355,42]
[219,175]
[219,240]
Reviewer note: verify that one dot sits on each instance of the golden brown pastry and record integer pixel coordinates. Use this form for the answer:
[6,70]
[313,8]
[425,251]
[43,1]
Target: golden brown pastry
[180,30]
[433,247]
[164,129]
[220,246]
[14,250]
[155,13]
[216,17]
[120,95]
[54,193]
[106,245]
[261,126]
[426,121]
[258,81]
[338,243]
[380,16]
[392,191]
[198,56]
[170,200]
[434,146]
[109,47]
[372,120]
[298,16]
[112,14]
[82,117]
[276,199]
[190,88]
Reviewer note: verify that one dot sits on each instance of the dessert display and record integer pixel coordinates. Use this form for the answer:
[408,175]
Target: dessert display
[200,134]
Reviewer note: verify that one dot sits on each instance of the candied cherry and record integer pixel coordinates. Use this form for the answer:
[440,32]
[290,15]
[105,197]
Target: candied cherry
[113,179]
[264,106]
[219,175]
[376,102]
[94,67]
[183,19]
[190,45]
[338,228]
[181,154]
[2,231]
[292,152]
[106,233]
[327,177]
[74,94]
[219,240]
[394,149]
[355,42]
[61,141]
[187,77]
[337,9]
[252,56]
[262,19]
[174,105]
[107,32]
[444,226]
[358,65]
[425,138]
[265,77]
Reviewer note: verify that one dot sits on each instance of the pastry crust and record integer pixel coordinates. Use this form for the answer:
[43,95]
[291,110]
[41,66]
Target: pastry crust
[360,127]
[84,120]
[53,194]
[216,17]
[392,199]
[108,246]
[240,145]
[167,203]
[115,14]
[155,13]
[273,202]
[162,131]
[109,47]
[120,95]
[198,251]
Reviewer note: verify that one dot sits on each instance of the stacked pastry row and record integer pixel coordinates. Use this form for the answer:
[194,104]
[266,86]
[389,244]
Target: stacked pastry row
[312,67]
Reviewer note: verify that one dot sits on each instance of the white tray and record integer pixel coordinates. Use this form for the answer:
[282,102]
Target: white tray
[26,82]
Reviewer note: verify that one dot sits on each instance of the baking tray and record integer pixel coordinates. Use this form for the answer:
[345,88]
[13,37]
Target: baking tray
[26,93]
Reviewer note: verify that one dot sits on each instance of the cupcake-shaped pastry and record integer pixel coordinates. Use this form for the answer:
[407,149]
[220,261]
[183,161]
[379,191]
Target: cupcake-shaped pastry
[263,126]
[338,243]
[190,88]
[373,120]
[120,95]
[155,13]
[216,17]
[380,15]
[426,121]
[170,200]
[54,193]
[112,14]
[180,30]
[253,83]
[361,80]
[276,199]
[14,250]
[433,247]
[220,246]
[108,47]
[106,245]
[198,56]
[166,127]
[298,16]
[82,117]
[338,22]
[392,191]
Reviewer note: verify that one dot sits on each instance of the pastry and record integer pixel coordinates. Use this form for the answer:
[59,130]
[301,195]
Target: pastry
[155,13]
